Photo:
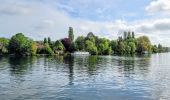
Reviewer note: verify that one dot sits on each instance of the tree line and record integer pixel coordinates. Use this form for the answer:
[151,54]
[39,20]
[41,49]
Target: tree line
[127,44]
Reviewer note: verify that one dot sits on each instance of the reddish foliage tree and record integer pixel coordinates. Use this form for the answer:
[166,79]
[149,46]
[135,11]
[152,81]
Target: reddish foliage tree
[67,43]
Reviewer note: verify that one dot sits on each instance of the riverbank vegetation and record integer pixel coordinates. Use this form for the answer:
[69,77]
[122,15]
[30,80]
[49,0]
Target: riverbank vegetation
[127,44]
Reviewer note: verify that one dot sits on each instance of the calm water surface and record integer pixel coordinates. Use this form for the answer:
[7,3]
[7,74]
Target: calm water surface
[85,78]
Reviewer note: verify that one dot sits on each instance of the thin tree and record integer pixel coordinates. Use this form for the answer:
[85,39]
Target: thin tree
[71,34]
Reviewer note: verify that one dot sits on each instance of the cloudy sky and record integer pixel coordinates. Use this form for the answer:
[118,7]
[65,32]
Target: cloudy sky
[106,18]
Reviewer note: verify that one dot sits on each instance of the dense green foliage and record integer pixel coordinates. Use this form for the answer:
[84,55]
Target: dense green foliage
[4,45]
[103,46]
[80,41]
[59,46]
[45,49]
[120,48]
[33,48]
[143,44]
[124,45]
[20,45]
[91,48]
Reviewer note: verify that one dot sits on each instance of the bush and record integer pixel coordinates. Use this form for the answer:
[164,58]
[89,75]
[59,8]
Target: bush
[48,50]
[20,45]
[33,48]
[4,43]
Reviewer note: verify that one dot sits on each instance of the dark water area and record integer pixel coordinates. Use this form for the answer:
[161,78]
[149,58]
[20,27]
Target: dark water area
[85,78]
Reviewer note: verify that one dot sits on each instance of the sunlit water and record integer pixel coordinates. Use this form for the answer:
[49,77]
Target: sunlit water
[85,78]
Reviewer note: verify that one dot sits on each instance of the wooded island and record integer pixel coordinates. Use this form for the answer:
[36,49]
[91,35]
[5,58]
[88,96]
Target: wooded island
[127,44]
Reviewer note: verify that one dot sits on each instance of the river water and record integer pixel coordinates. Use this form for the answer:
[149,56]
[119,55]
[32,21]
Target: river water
[85,78]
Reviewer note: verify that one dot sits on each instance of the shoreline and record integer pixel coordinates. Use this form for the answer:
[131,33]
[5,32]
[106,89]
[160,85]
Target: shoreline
[69,54]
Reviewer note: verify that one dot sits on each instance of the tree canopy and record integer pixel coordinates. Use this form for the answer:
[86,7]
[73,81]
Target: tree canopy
[59,46]
[80,41]
[143,44]
[71,34]
[20,45]
[127,44]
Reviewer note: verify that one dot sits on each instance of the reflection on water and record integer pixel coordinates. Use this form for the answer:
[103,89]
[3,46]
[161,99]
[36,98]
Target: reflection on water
[85,78]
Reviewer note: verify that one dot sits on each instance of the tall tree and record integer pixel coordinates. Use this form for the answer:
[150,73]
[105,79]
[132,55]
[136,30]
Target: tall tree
[71,34]
[129,35]
[45,40]
[125,35]
[133,35]
[49,41]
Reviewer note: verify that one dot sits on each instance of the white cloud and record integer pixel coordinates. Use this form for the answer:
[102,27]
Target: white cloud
[46,21]
[149,25]
[156,6]
[157,29]
[14,8]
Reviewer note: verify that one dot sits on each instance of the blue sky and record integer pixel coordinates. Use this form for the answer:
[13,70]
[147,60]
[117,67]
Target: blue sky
[104,10]
[107,18]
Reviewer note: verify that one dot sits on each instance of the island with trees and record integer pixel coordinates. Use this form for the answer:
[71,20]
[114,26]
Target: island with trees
[127,44]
